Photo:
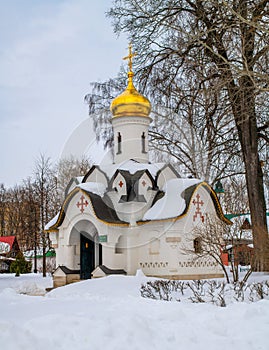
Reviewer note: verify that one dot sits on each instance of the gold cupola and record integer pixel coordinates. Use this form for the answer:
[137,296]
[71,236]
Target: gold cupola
[130,102]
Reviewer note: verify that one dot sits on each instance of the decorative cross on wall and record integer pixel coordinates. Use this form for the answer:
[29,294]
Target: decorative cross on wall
[82,204]
[144,183]
[121,184]
[199,203]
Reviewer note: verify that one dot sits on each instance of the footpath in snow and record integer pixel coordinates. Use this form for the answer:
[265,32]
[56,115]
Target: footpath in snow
[109,313]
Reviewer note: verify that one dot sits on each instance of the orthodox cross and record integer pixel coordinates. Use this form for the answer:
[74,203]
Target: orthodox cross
[198,212]
[129,57]
[82,204]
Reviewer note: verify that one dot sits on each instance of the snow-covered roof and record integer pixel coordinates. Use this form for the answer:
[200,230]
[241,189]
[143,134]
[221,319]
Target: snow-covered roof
[93,187]
[173,203]
[72,184]
[52,221]
[31,253]
[8,240]
[79,179]
[170,196]
[132,166]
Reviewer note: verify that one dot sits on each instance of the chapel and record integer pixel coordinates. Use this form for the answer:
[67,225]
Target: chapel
[132,214]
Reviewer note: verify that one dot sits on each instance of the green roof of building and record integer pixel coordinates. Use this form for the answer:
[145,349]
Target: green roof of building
[230,216]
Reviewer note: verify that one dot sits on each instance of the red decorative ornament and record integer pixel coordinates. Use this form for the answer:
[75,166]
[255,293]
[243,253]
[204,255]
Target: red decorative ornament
[81,204]
[121,184]
[199,203]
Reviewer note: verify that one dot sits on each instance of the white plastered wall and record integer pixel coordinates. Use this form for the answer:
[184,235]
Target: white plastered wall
[68,237]
[163,244]
[156,247]
[131,130]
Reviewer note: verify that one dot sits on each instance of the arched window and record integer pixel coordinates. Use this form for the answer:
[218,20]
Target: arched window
[197,245]
[143,140]
[119,143]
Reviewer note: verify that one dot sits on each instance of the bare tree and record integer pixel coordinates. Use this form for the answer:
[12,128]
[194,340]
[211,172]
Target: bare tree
[2,210]
[214,237]
[208,241]
[237,239]
[68,168]
[32,239]
[14,208]
[45,190]
[234,200]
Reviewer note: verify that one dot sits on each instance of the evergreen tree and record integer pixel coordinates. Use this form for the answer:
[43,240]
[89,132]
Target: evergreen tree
[20,265]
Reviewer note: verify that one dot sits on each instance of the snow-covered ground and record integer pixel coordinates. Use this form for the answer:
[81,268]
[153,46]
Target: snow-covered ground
[109,313]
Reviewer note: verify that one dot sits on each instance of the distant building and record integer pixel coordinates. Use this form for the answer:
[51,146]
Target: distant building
[50,259]
[9,248]
[239,248]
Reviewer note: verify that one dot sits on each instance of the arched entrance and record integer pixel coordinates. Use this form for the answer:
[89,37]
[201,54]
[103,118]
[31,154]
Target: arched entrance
[90,254]
[88,250]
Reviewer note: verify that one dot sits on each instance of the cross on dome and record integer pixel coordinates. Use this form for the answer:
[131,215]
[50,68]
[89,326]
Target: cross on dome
[129,57]
[130,102]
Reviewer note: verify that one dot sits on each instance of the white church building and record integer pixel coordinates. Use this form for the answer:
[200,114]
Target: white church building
[132,214]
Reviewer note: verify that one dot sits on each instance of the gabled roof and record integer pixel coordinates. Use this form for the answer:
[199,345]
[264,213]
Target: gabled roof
[67,271]
[169,166]
[86,176]
[246,225]
[131,177]
[75,180]
[101,209]
[104,211]
[132,184]
[8,239]
[187,194]
[132,166]
[108,271]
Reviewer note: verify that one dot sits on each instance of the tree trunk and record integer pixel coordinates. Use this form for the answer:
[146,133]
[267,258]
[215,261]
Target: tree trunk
[254,179]
[246,123]
[44,258]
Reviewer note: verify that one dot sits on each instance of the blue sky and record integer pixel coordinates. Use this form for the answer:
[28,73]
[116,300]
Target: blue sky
[50,52]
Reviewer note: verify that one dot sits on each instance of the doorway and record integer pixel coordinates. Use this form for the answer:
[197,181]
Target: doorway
[87,257]
[90,256]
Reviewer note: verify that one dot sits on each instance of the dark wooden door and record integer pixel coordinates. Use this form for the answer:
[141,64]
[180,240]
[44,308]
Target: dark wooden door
[87,257]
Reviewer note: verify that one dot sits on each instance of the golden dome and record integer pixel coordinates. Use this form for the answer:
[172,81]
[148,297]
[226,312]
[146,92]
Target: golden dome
[130,102]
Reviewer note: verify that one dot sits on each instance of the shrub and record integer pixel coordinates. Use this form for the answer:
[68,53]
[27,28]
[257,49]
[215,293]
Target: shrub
[20,265]
[205,291]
